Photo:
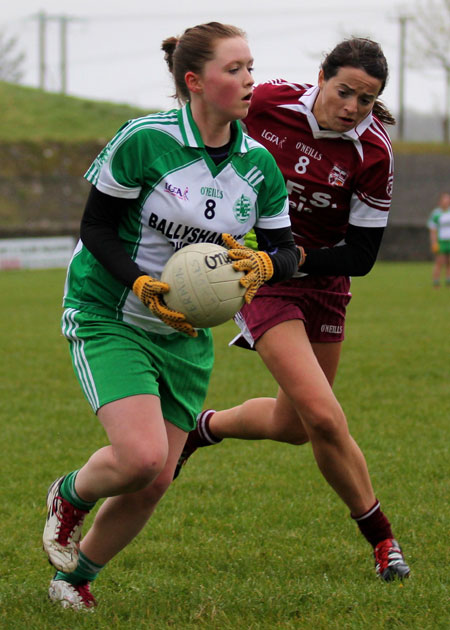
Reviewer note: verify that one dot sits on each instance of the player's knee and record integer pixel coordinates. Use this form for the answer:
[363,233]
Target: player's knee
[327,423]
[144,467]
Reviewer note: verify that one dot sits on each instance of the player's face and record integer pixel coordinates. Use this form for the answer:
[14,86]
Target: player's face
[227,79]
[345,99]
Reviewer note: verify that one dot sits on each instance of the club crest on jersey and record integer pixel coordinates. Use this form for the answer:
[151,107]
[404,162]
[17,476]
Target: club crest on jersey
[390,185]
[337,176]
[242,208]
[176,192]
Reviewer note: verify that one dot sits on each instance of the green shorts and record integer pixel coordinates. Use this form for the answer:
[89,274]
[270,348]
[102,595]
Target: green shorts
[444,247]
[113,360]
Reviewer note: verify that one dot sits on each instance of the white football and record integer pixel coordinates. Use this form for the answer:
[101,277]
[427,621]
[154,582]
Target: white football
[203,284]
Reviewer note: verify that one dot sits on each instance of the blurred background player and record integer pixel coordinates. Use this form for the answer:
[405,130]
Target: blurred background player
[331,145]
[164,181]
[439,228]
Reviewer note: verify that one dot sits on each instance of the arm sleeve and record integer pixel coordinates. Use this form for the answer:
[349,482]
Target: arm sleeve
[99,233]
[283,252]
[432,223]
[355,257]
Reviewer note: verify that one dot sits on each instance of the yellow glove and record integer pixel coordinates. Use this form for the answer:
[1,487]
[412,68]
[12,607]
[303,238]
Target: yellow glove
[250,240]
[257,265]
[149,291]
[435,248]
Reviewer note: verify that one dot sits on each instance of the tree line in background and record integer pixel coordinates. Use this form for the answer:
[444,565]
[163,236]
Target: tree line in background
[431,43]
[430,20]
[11,59]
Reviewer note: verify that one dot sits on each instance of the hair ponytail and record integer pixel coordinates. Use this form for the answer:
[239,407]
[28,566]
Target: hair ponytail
[382,113]
[168,47]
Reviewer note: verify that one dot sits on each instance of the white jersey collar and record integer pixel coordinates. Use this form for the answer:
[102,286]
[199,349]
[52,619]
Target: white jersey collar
[192,137]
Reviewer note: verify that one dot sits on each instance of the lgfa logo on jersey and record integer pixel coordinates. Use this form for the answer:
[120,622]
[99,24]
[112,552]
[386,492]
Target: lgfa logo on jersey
[242,208]
[337,176]
[271,137]
[176,192]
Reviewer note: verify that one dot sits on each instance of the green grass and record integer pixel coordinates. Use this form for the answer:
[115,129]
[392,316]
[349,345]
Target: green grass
[32,115]
[250,536]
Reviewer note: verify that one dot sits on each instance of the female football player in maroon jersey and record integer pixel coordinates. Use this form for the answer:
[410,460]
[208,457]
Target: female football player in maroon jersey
[335,154]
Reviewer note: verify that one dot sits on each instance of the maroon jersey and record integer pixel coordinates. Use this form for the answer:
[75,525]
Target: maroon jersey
[332,178]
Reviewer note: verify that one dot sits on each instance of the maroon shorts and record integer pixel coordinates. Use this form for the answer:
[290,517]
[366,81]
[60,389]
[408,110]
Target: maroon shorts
[322,309]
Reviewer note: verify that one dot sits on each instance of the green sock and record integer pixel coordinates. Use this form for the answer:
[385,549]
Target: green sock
[86,570]
[68,493]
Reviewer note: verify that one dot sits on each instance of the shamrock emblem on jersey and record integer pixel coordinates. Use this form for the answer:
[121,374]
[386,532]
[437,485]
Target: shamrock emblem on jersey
[242,208]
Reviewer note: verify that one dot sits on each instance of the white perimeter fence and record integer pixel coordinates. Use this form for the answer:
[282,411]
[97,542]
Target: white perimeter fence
[36,253]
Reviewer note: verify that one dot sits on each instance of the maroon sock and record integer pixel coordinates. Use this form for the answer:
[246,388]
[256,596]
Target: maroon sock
[204,434]
[374,525]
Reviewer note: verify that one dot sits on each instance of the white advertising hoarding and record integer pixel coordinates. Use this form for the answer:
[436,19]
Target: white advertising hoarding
[36,253]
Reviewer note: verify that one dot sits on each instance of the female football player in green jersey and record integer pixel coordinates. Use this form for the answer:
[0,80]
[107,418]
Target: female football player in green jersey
[164,181]
[439,228]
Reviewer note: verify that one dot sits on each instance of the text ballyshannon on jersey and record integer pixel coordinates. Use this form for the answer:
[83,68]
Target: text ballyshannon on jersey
[330,183]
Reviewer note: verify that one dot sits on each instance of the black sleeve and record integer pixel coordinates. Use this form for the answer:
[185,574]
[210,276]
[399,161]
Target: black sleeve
[283,252]
[99,233]
[355,257]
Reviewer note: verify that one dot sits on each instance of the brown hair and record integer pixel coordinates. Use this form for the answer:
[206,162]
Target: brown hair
[366,54]
[192,50]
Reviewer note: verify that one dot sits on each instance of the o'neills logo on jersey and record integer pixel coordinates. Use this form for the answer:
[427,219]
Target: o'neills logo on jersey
[307,150]
[211,192]
[271,137]
[242,208]
[329,328]
[176,192]
[337,176]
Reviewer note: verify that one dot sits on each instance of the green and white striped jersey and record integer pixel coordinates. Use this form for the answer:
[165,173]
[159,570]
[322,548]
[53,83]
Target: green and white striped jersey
[178,196]
[440,220]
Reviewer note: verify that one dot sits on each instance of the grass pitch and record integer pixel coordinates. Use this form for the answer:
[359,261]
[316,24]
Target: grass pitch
[250,536]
